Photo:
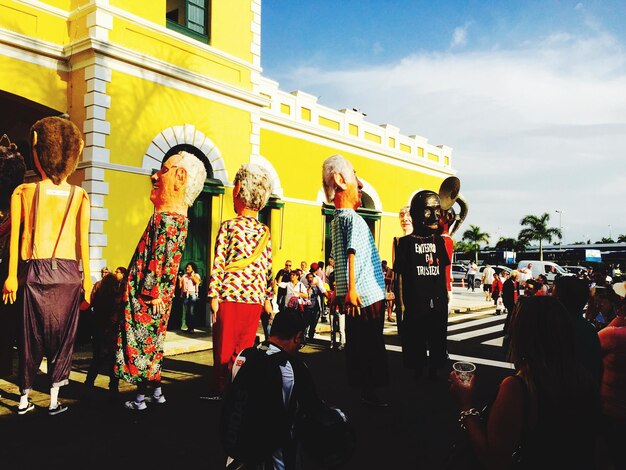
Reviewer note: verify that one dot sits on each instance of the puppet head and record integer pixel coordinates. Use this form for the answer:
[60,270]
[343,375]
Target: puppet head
[425,212]
[253,187]
[341,185]
[178,183]
[57,144]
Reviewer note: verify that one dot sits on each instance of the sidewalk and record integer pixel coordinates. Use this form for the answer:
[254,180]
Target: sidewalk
[179,342]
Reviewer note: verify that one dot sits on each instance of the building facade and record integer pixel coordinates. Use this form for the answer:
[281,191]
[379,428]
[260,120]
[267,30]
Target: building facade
[144,79]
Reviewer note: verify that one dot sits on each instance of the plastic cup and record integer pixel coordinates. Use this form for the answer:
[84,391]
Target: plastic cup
[464,370]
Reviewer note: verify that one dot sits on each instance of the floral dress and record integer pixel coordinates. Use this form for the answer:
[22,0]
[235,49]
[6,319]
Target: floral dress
[151,275]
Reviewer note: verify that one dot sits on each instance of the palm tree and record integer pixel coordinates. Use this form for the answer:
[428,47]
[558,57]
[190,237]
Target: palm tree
[621,238]
[537,229]
[461,247]
[474,236]
[511,244]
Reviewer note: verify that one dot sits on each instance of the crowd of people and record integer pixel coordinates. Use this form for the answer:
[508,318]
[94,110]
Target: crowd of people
[564,405]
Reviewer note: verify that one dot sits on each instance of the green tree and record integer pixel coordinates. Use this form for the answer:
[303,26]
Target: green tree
[474,237]
[621,238]
[511,244]
[537,230]
[606,240]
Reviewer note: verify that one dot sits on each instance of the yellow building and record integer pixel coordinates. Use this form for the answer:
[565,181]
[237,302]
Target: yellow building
[145,79]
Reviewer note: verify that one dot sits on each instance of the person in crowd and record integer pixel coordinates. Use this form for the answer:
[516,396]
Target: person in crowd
[543,288]
[532,288]
[106,309]
[283,276]
[496,290]
[472,271]
[304,266]
[50,229]
[421,287]
[524,274]
[330,266]
[12,170]
[407,228]
[295,293]
[613,384]
[510,295]
[487,280]
[573,293]
[298,388]
[337,317]
[389,294]
[190,288]
[530,421]
[240,286]
[601,308]
[360,285]
[316,293]
[120,274]
[152,275]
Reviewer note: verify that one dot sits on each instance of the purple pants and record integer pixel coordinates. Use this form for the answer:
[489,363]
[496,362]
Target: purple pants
[52,299]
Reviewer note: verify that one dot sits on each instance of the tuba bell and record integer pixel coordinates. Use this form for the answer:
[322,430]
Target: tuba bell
[449,193]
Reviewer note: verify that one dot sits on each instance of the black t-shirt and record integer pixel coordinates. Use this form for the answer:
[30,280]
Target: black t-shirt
[422,262]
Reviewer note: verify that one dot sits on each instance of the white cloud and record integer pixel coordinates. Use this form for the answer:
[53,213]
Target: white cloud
[535,129]
[459,37]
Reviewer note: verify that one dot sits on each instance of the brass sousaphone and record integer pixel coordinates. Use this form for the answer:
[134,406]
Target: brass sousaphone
[449,193]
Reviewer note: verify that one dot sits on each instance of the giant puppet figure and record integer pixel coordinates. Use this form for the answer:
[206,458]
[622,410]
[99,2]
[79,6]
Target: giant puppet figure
[151,277]
[53,219]
[240,282]
[421,291]
[450,222]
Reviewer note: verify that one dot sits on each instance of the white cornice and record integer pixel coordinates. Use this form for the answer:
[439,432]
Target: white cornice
[145,62]
[28,43]
[316,135]
[179,36]
[123,14]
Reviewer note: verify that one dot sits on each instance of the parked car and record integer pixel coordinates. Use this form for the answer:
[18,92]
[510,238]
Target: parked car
[548,268]
[498,268]
[576,270]
[459,272]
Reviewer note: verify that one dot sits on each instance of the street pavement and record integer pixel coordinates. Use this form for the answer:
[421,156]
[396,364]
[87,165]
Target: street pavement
[415,431]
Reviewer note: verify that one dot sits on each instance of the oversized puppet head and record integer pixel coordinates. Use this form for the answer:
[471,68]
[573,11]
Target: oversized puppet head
[178,183]
[57,144]
[253,187]
[425,212]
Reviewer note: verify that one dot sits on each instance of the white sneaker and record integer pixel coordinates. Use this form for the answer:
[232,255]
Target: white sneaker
[160,399]
[133,405]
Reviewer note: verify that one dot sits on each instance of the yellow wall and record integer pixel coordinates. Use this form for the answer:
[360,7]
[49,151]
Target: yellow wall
[230,27]
[187,55]
[148,9]
[42,85]
[141,109]
[394,186]
[129,208]
[33,22]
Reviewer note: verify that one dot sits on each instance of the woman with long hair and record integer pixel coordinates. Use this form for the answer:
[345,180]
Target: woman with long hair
[547,414]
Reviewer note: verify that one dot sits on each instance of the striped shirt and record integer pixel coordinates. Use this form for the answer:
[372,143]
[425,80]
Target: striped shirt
[349,231]
[236,240]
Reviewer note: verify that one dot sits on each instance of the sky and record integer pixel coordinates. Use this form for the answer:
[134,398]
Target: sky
[531,95]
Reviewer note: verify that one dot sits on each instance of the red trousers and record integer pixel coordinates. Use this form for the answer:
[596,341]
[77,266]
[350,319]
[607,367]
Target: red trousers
[234,330]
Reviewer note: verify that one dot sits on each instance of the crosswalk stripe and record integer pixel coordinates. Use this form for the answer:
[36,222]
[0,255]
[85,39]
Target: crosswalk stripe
[475,333]
[478,322]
